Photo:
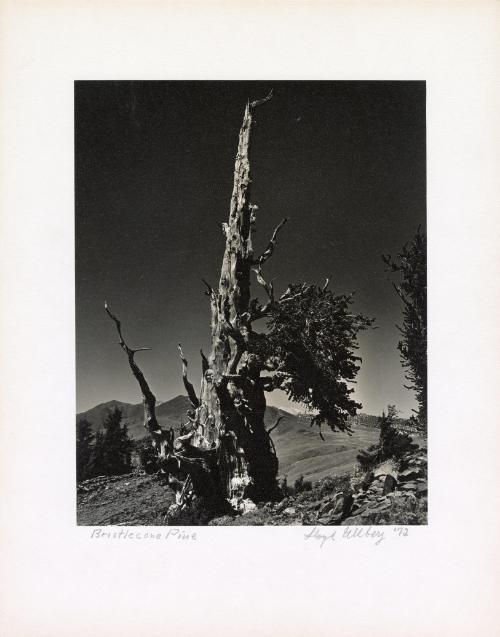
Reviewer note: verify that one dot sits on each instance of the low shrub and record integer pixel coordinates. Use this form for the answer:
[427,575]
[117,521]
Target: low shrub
[302,485]
[147,455]
[334,484]
[393,444]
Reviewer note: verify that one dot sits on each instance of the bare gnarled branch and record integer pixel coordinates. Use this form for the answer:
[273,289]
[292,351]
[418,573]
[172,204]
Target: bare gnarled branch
[257,103]
[278,420]
[188,386]
[271,245]
[204,362]
[210,291]
[149,399]
[286,295]
[122,342]
[268,287]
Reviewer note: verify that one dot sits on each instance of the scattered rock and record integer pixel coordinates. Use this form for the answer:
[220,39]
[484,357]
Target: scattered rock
[386,468]
[408,474]
[354,520]
[389,483]
[329,505]
[247,505]
[359,510]
[367,480]
[409,486]
[282,505]
[347,505]
[224,520]
[381,507]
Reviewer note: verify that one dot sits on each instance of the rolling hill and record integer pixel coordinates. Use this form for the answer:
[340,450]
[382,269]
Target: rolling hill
[300,449]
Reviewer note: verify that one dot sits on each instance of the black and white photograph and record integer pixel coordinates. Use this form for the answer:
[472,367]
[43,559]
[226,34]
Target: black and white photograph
[251,303]
[249,318]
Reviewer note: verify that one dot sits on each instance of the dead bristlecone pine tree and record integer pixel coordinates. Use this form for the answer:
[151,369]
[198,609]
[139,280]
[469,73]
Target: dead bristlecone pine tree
[225,455]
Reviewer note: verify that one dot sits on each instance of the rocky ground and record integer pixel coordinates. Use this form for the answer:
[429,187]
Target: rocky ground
[393,490]
[392,493]
[129,500]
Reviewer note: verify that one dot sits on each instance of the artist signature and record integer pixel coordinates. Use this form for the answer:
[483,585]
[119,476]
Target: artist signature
[347,533]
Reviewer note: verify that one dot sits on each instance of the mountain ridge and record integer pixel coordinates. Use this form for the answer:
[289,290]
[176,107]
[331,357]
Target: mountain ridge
[169,414]
[300,450]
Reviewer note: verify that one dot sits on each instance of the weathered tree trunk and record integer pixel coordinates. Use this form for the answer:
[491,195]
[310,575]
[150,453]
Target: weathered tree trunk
[225,453]
[230,416]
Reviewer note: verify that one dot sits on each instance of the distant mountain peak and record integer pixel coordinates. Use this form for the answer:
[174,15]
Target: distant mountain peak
[300,449]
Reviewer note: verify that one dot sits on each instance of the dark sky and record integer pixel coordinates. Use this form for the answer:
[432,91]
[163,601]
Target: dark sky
[345,161]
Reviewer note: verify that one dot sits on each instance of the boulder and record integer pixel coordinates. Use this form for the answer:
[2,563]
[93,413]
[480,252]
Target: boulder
[246,506]
[382,506]
[352,521]
[329,505]
[282,505]
[347,505]
[336,518]
[386,468]
[409,486]
[358,510]
[408,474]
[389,484]
[367,480]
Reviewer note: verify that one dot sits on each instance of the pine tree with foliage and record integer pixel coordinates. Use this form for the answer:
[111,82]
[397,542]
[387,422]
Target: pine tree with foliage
[99,456]
[147,455]
[117,444]
[84,449]
[411,265]
[392,444]
[112,450]
[311,346]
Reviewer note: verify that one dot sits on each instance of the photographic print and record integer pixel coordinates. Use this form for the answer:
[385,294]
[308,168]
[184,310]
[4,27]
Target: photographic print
[251,303]
[248,281]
